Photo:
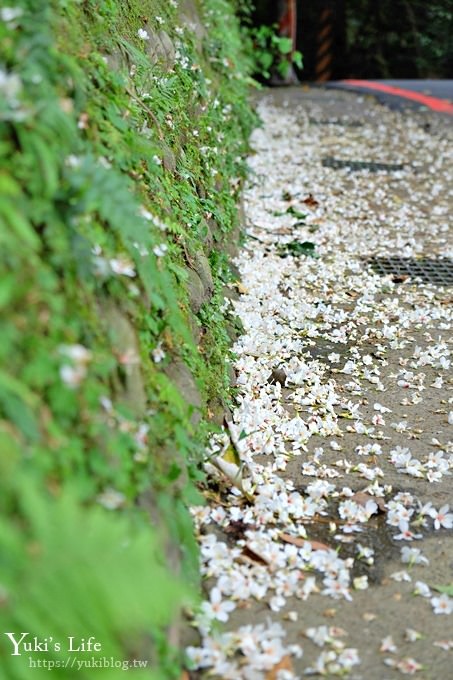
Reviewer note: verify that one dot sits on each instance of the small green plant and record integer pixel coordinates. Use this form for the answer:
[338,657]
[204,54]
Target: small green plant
[273,53]
[297,248]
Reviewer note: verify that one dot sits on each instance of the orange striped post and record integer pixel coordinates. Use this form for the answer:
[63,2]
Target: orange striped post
[287,22]
[324,45]
[287,28]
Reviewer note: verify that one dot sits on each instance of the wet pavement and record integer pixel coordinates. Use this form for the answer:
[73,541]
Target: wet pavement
[327,538]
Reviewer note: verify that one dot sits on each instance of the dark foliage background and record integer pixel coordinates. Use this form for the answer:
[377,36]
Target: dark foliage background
[374,38]
[399,38]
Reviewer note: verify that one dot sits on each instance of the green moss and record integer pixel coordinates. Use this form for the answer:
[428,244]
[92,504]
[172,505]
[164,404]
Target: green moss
[106,156]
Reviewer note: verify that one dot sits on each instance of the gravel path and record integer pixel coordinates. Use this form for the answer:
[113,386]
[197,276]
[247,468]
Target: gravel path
[327,537]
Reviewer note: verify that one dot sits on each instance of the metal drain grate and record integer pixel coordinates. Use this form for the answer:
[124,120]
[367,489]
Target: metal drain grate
[438,271]
[372,166]
[336,121]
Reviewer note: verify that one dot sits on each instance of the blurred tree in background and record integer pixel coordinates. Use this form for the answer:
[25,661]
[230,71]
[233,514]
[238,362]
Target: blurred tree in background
[399,38]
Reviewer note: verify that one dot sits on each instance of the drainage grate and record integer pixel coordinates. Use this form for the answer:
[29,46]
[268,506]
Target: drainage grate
[336,121]
[338,163]
[438,271]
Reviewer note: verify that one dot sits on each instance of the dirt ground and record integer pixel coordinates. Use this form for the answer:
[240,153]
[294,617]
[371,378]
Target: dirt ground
[344,387]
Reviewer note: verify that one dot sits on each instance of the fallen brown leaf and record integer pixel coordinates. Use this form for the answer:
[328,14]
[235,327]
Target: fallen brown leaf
[300,542]
[252,555]
[214,497]
[283,231]
[243,604]
[237,528]
[311,201]
[329,613]
[241,289]
[362,498]
[284,665]
[278,375]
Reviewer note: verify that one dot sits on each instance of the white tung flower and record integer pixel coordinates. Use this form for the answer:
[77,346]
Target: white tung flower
[122,266]
[319,635]
[73,161]
[443,604]
[360,582]
[160,250]
[411,635]
[441,517]
[388,645]
[413,556]
[9,14]
[144,212]
[216,608]
[111,499]
[142,34]
[10,86]
[348,657]
[400,576]
[78,353]
[158,354]
[422,589]
[72,376]
[381,409]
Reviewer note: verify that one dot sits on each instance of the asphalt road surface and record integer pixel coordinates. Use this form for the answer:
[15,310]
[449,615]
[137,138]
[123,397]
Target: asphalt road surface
[435,95]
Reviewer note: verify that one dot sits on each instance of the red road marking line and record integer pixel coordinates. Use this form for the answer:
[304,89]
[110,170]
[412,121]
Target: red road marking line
[440,105]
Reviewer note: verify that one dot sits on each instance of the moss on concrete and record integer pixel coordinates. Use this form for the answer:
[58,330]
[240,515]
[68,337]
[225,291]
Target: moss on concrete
[124,128]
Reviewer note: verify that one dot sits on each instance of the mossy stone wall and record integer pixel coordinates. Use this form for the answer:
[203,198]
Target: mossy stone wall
[123,131]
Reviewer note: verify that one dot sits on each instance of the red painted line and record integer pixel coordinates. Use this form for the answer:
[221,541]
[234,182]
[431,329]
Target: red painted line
[439,105]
